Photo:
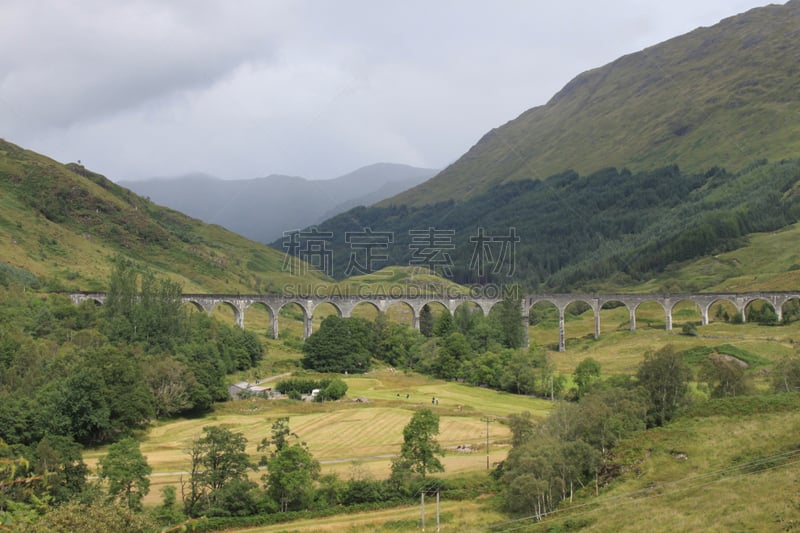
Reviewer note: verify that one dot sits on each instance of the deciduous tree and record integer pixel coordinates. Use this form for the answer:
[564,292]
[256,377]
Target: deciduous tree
[126,471]
[725,376]
[291,473]
[340,345]
[426,321]
[786,374]
[420,450]
[291,469]
[665,376]
[218,457]
[585,373]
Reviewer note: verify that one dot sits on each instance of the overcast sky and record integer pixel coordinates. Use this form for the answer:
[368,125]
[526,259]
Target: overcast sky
[241,89]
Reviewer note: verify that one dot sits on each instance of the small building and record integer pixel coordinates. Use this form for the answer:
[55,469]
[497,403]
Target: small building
[235,390]
[243,389]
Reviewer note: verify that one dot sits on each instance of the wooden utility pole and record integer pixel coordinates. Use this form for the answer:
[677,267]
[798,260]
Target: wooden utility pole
[487,419]
[437,510]
[422,494]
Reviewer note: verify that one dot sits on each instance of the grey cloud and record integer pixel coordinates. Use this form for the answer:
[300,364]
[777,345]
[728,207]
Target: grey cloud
[75,64]
[313,88]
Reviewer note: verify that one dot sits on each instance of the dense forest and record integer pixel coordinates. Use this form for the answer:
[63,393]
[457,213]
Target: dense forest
[574,231]
[467,346]
[94,374]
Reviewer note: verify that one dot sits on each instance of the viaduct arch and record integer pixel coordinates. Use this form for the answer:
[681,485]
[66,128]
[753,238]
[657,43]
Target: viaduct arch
[345,305]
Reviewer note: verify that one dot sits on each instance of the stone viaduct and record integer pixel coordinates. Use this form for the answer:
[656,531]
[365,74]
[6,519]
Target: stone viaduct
[344,305]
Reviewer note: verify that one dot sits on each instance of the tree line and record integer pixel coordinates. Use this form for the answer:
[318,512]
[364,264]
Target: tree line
[81,375]
[94,374]
[218,484]
[467,346]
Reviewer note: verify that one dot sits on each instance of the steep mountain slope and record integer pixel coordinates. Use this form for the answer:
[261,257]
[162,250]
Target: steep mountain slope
[263,208]
[724,95]
[62,225]
[609,229]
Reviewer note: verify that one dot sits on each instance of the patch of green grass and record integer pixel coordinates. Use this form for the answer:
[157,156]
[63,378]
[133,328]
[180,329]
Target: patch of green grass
[763,264]
[697,355]
[744,355]
[744,406]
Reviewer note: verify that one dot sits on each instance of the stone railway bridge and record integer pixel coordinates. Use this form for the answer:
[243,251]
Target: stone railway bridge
[344,305]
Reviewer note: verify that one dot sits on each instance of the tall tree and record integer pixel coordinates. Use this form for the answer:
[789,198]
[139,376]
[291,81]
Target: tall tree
[420,450]
[142,307]
[450,355]
[79,407]
[127,471]
[522,427]
[665,376]
[786,374]
[518,374]
[444,325]
[339,345]
[218,457]
[507,316]
[279,437]
[725,377]
[121,300]
[58,460]
[291,469]
[170,382]
[290,477]
[426,321]
[585,374]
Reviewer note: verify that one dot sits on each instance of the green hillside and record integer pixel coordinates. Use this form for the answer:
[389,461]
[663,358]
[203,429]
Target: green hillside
[61,225]
[724,95]
[730,465]
[610,230]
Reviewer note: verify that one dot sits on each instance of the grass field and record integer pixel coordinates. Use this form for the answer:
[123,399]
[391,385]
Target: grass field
[454,516]
[359,439]
[620,351]
[341,434]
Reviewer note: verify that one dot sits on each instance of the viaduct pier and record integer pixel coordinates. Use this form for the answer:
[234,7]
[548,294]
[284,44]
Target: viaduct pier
[344,305]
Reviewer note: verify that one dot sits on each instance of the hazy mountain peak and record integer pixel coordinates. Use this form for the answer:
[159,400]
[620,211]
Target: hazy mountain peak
[263,208]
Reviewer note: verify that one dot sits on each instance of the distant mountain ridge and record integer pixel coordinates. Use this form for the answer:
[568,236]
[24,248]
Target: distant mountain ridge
[263,208]
[723,95]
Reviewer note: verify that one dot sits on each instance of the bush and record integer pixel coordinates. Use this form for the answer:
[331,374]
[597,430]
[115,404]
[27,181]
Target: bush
[295,388]
[333,391]
[365,491]
[689,329]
